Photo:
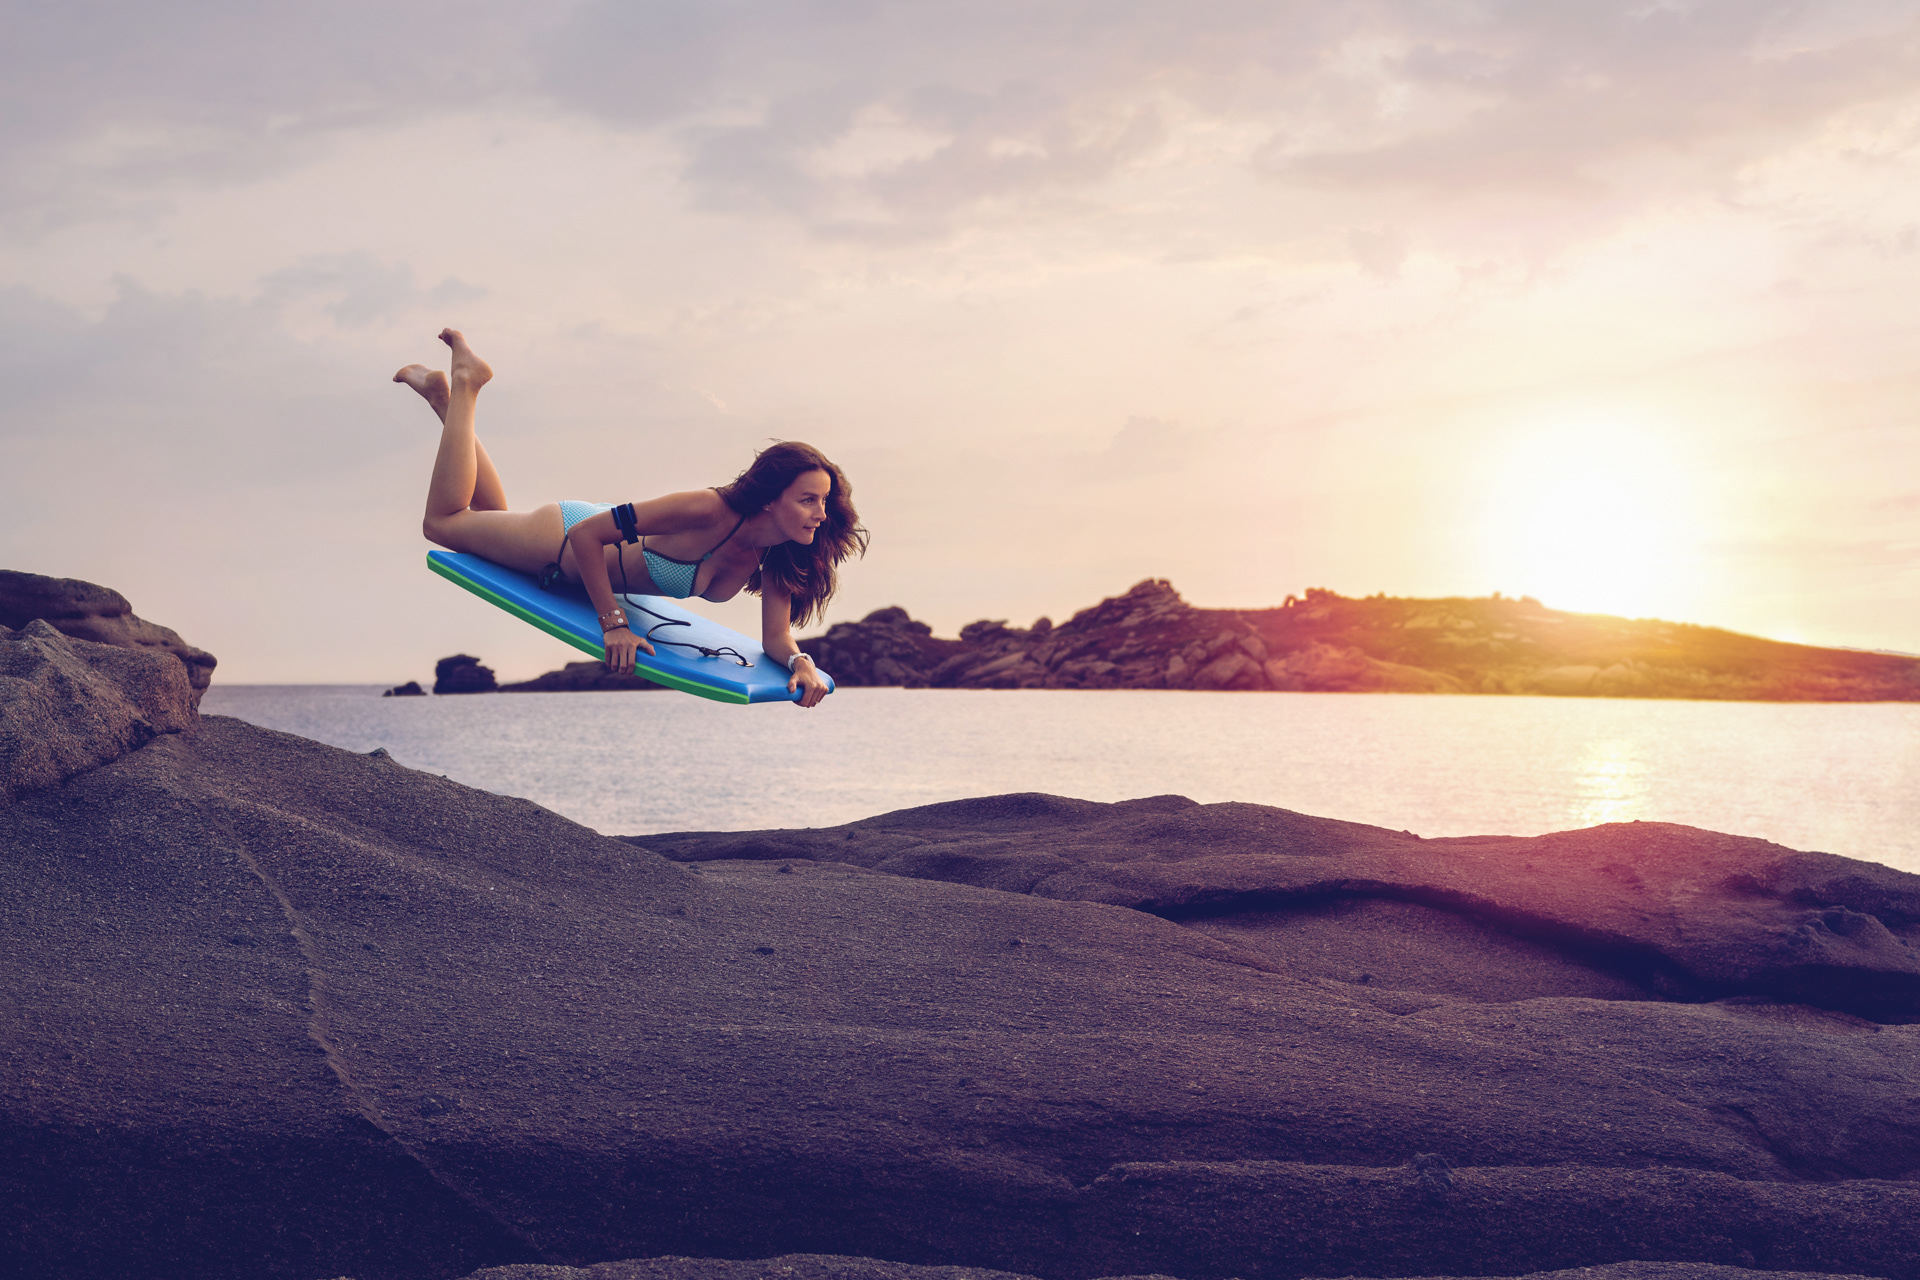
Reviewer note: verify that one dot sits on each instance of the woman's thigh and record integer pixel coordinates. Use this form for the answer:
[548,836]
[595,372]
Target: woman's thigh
[523,540]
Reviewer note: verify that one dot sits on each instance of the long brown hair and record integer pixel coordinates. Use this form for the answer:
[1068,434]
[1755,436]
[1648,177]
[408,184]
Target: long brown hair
[808,574]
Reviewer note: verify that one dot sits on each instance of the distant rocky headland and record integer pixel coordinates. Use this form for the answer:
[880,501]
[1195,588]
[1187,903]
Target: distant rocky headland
[278,1011]
[463,673]
[1150,638]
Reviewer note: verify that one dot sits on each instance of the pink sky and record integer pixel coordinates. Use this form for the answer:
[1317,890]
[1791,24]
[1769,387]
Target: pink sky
[1606,304]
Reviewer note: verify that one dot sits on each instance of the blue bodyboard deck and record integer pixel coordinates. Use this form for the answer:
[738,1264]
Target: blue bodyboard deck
[568,615]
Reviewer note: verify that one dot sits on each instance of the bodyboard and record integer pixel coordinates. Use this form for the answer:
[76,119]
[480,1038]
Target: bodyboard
[568,615]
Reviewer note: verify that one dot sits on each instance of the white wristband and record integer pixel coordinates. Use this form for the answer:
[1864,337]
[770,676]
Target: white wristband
[795,658]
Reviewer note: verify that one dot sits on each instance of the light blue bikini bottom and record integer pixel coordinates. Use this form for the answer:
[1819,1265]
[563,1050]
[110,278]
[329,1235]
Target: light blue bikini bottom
[572,513]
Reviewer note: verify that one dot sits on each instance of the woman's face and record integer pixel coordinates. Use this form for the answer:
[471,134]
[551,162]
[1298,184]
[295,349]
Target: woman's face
[802,509]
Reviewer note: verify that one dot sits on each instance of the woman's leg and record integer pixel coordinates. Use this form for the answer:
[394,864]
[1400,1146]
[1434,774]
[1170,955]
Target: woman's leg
[489,494]
[466,502]
[456,469]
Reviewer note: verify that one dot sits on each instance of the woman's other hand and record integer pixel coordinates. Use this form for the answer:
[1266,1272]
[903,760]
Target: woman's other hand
[808,682]
[621,645]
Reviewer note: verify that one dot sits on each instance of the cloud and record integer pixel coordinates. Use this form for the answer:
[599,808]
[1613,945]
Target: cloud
[639,64]
[104,104]
[354,290]
[890,120]
[175,397]
[1543,95]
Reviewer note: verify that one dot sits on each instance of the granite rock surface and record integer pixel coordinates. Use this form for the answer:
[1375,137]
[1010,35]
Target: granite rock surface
[793,1266]
[1641,910]
[884,648]
[99,614]
[69,705]
[278,1010]
[822,1267]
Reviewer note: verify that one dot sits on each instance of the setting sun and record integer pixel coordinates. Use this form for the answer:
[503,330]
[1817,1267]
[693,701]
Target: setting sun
[1593,511]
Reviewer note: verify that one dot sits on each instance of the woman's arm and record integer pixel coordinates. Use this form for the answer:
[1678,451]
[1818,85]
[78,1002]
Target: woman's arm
[776,637]
[590,540]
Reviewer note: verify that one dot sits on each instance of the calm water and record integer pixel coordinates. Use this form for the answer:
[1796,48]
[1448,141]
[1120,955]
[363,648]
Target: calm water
[1840,778]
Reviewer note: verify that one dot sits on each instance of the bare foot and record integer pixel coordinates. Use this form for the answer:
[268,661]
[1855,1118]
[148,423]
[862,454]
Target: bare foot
[430,383]
[468,370]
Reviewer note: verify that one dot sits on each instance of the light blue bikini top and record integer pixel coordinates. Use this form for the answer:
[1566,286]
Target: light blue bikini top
[675,578]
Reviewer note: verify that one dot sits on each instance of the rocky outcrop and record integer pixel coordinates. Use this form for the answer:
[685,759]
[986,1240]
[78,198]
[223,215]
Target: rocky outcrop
[1639,911]
[411,689]
[884,648]
[98,614]
[462,673]
[792,1266]
[813,1266]
[278,1010]
[1150,638]
[581,677]
[67,706]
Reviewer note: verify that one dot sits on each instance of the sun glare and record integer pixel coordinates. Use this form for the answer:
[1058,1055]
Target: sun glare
[1591,511]
[1611,784]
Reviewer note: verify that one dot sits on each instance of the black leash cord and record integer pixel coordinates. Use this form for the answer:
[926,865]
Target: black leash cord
[652,636]
[551,575]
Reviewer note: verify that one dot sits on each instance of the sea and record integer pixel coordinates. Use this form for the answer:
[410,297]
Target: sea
[1840,778]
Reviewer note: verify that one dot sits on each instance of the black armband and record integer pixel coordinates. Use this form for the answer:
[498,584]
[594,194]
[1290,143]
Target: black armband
[628,526]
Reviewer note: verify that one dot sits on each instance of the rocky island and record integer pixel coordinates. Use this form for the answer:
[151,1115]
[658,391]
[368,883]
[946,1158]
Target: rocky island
[278,1010]
[1150,638]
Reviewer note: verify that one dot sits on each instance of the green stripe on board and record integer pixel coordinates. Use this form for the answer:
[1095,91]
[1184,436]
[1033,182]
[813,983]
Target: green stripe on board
[585,646]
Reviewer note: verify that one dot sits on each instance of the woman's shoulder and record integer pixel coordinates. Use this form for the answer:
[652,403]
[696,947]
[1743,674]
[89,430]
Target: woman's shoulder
[689,509]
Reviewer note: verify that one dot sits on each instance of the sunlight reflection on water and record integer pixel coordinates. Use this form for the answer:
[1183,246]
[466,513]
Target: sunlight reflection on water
[1611,783]
[1844,778]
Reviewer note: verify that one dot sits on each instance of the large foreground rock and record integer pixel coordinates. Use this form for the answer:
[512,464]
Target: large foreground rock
[276,1010]
[67,705]
[99,614]
[1640,910]
[813,1266]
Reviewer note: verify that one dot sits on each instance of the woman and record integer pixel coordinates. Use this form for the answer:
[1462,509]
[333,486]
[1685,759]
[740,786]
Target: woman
[781,529]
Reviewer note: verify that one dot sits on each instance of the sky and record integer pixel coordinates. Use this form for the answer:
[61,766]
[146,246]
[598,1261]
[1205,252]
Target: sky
[1607,304]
